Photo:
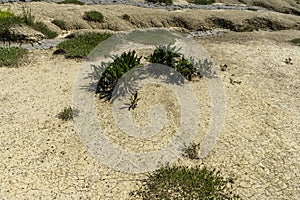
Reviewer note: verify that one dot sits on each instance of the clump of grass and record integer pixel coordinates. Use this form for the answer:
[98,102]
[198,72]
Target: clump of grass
[168,2]
[296,41]
[60,23]
[202,2]
[185,183]
[126,17]
[67,113]
[80,46]
[94,16]
[76,2]
[192,151]
[41,27]
[11,56]
[7,20]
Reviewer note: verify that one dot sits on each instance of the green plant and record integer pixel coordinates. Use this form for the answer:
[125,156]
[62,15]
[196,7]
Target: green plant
[94,16]
[67,113]
[60,23]
[202,2]
[171,57]
[133,101]
[192,151]
[296,41]
[114,71]
[80,46]
[41,27]
[168,2]
[7,20]
[71,2]
[126,17]
[27,17]
[185,183]
[11,56]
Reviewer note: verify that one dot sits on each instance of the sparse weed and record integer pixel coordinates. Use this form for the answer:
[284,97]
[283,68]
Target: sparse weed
[133,101]
[67,113]
[192,151]
[126,17]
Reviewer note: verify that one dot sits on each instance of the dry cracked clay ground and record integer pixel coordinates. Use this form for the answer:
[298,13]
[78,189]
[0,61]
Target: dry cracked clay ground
[44,158]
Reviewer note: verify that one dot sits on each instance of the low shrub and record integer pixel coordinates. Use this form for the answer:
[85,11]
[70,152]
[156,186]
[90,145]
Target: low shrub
[94,16]
[80,46]
[185,183]
[114,71]
[171,57]
[202,2]
[168,2]
[11,56]
[77,2]
[60,23]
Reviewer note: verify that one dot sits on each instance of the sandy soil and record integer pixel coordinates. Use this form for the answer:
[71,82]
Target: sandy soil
[43,157]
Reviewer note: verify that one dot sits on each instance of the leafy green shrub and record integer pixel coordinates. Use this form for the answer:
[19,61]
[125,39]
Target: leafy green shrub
[168,2]
[114,71]
[67,113]
[202,2]
[80,46]
[60,23]
[11,56]
[94,16]
[71,2]
[296,41]
[171,57]
[185,183]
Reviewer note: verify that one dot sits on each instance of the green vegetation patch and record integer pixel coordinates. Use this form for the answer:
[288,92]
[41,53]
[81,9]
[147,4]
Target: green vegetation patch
[9,19]
[202,2]
[114,71]
[94,16]
[11,56]
[296,41]
[168,2]
[81,45]
[185,183]
[76,2]
[60,23]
